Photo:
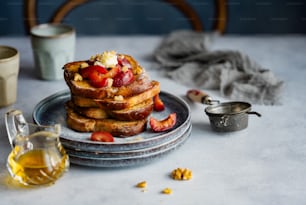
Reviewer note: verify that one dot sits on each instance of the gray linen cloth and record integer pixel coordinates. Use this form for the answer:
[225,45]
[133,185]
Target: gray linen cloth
[187,59]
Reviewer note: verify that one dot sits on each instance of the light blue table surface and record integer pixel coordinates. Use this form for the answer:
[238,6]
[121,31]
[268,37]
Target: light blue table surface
[264,164]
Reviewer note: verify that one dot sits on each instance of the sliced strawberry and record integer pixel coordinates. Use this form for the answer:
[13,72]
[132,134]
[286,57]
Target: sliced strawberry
[163,125]
[97,79]
[112,72]
[100,69]
[158,103]
[124,62]
[102,136]
[123,78]
[86,71]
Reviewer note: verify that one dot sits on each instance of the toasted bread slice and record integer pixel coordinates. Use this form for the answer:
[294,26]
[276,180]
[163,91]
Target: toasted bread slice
[84,102]
[113,104]
[116,127]
[83,87]
[90,112]
[137,112]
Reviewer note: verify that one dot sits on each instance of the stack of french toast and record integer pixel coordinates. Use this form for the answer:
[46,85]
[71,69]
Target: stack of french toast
[109,92]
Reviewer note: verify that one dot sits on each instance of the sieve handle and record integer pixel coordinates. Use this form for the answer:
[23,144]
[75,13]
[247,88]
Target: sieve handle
[199,96]
[254,113]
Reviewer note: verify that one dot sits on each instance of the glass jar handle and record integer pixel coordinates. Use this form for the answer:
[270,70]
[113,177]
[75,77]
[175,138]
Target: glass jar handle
[15,125]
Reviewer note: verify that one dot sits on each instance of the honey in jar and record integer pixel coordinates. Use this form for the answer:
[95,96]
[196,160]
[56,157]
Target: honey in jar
[37,156]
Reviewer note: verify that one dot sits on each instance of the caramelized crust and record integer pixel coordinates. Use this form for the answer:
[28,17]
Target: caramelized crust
[90,112]
[138,112]
[115,127]
[113,104]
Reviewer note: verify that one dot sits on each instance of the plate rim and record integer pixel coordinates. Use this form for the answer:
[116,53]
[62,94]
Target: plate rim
[138,160]
[134,153]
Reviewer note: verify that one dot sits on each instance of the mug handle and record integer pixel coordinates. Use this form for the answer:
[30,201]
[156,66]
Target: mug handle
[15,125]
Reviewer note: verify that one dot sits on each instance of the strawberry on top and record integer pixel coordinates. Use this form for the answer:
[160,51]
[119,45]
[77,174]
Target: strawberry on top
[106,70]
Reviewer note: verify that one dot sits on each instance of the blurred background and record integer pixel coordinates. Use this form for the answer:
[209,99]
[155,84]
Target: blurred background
[151,17]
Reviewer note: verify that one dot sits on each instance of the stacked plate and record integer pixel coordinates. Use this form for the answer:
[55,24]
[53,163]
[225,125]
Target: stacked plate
[136,150]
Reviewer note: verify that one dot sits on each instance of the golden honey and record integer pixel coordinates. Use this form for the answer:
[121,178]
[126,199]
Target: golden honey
[40,165]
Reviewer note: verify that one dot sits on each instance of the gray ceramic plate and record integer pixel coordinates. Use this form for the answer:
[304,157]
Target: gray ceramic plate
[130,153]
[51,111]
[145,158]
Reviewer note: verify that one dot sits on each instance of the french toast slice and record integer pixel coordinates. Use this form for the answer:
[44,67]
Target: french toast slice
[116,127]
[115,104]
[137,112]
[84,102]
[90,112]
[82,87]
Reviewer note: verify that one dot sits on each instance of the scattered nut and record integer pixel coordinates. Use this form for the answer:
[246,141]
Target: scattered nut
[109,82]
[77,77]
[84,65]
[167,191]
[124,68]
[142,184]
[98,63]
[118,97]
[181,174]
[137,71]
[176,174]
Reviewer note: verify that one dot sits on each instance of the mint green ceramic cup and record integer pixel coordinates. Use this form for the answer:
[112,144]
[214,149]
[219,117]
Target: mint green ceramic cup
[53,46]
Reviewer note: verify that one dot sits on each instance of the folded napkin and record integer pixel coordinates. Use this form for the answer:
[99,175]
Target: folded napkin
[187,59]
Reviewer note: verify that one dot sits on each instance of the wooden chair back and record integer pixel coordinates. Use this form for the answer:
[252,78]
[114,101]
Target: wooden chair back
[220,18]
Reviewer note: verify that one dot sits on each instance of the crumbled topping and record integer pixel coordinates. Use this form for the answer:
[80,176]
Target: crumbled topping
[124,68]
[108,59]
[98,63]
[84,65]
[110,82]
[93,58]
[118,97]
[77,77]
[137,71]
